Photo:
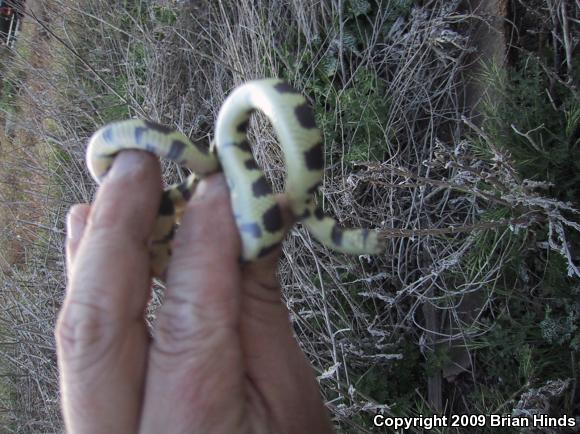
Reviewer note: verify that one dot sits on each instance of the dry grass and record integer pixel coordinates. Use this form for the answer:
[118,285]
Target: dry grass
[454,213]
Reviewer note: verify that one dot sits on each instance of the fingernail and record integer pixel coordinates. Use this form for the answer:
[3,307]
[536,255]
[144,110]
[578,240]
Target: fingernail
[75,224]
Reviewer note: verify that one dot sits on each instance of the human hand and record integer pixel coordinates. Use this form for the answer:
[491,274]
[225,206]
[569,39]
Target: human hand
[222,359]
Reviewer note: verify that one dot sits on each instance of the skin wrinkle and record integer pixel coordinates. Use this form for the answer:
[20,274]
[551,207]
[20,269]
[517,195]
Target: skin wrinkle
[255,395]
[181,261]
[204,308]
[268,294]
[85,327]
[115,237]
[175,335]
[191,308]
[80,336]
[116,350]
[100,370]
[92,313]
[208,348]
[196,386]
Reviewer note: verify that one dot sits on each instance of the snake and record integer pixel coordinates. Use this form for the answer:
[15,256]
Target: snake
[257,213]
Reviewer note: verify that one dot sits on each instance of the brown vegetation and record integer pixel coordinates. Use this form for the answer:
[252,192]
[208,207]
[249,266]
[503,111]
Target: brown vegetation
[387,81]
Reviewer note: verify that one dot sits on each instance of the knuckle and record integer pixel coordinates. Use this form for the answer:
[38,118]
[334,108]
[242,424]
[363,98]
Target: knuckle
[182,332]
[84,334]
[176,332]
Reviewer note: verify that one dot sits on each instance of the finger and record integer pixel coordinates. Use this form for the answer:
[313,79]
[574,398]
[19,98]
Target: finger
[274,362]
[196,338]
[101,336]
[76,221]
[206,253]
[115,238]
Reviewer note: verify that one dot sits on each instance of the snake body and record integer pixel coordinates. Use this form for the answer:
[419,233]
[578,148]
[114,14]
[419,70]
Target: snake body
[257,214]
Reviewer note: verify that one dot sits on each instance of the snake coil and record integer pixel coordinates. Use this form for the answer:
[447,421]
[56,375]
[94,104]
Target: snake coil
[257,214]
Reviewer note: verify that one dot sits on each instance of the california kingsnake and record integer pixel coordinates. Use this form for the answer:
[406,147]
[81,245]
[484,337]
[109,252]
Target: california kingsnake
[257,214]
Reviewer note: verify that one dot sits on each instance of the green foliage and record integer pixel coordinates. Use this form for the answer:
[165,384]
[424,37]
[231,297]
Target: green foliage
[531,339]
[560,325]
[58,156]
[437,359]
[536,119]
[352,119]
[365,111]
[396,382]
[164,15]
[362,14]
[487,244]
[8,97]
[358,7]
[13,74]
[507,353]
[522,349]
